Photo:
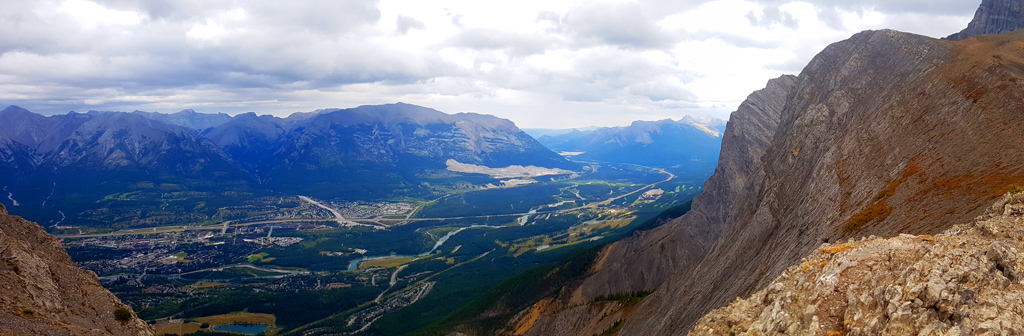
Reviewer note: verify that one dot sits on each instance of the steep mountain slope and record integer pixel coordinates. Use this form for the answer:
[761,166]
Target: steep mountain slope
[865,146]
[189,119]
[60,166]
[747,136]
[16,159]
[647,259]
[994,17]
[882,134]
[662,143]
[250,139]
[125,142]
[965,281]
[370,150]
[45,293]
[409,132]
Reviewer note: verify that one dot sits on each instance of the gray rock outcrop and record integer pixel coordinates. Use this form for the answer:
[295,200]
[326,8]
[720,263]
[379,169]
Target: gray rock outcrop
[42,292]
[994,17]
[965,281]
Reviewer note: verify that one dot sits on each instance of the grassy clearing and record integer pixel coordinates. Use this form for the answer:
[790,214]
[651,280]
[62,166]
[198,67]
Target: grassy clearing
[180,328]
[386,263]
[238,318]
[205,285]
[574,235]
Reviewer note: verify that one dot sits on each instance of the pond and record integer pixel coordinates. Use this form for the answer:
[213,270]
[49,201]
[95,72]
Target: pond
[248,329]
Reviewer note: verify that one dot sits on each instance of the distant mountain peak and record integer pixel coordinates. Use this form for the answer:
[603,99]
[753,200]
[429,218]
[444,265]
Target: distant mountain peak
[14,109]
[994,17]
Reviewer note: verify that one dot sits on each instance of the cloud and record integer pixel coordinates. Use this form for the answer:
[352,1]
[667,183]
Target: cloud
[405,23]
[622,25]
[771,16]
[831,18]
[534,61]
[516,44]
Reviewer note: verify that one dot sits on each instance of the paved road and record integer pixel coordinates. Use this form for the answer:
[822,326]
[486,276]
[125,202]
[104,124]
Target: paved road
[336,214]
[394,280]
[217,269]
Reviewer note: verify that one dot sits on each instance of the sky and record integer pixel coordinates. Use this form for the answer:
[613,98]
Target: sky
[539,63]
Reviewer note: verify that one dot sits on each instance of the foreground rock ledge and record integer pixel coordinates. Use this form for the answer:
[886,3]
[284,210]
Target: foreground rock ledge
[42,292]
[964,281]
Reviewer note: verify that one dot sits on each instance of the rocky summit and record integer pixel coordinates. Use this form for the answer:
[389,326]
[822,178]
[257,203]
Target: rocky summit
[994,17]
[964,281]
[45,293]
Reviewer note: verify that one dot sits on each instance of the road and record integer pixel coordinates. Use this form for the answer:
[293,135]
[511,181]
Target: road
[337,215]
[348,222]
[217,269]
[394,280]
[613,199]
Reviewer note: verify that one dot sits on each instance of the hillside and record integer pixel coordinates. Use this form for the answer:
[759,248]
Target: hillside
[882,134]
[45,293]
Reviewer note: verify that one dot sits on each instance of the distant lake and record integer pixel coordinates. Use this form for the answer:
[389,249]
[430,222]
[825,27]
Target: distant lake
[250,329]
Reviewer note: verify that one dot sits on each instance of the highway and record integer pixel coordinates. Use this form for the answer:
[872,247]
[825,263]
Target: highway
[337,215]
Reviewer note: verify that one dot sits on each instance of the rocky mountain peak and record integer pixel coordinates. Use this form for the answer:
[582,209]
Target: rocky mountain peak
[994,17]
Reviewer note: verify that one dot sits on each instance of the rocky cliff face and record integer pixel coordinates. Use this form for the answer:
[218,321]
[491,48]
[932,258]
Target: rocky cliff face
[885,133]
[994,17]
[45,293]
[648,259]
[882,134]
[964,281]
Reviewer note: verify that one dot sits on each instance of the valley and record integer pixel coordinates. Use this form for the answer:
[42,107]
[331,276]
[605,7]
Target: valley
[364,263]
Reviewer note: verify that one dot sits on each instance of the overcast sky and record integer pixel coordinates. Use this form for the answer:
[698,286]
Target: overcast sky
[540,63]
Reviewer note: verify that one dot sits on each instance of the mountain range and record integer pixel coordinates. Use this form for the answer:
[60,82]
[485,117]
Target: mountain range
[69,162]
[664,143]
